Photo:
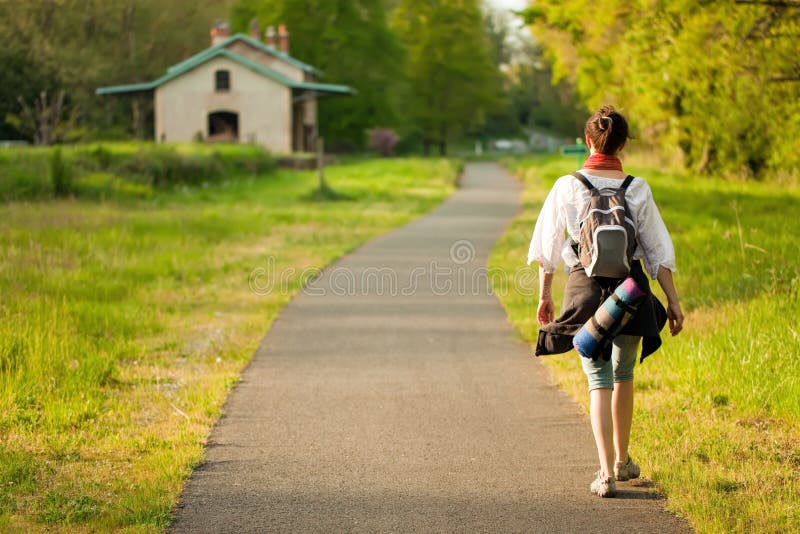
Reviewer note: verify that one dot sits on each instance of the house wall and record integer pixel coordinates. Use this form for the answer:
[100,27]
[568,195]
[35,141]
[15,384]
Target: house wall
[182,106]
[271,62]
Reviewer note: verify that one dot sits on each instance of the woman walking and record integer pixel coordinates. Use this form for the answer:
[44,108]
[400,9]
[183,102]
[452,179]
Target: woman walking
[610,381]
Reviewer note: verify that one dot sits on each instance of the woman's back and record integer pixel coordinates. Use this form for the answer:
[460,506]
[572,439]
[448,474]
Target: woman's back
[564,208]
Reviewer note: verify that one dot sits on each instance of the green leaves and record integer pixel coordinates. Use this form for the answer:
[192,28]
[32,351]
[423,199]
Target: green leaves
[452,79]
[715,81]
[351,43]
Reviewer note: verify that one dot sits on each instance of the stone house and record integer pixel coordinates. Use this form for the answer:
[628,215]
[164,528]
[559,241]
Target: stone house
[240,89]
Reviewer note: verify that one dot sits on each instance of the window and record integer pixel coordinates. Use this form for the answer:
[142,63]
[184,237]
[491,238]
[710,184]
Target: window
[222,80]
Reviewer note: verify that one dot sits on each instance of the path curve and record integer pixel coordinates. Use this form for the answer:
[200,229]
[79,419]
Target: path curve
[390,409]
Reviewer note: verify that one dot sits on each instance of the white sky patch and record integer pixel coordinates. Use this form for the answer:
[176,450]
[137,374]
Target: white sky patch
[519,31]
[509,4]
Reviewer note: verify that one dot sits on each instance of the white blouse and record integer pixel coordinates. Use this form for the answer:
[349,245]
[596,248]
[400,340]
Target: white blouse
[563,208]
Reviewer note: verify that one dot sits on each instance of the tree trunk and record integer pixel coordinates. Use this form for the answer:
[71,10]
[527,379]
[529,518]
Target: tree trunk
[705,159]
[426,146]
[137,118]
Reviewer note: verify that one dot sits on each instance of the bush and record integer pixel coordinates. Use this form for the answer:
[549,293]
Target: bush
[102,157]
[25,173]
[103,185]
[247,159]
[60,175]
[165,166]
[383,141]
[33,172]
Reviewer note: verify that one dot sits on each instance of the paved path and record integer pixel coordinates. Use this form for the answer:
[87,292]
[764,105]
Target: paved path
[417,411]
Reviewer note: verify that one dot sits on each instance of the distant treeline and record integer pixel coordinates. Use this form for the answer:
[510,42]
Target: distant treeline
[715,84]
[434,71]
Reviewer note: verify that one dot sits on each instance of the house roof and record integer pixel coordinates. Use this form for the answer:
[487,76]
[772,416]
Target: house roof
[220,50]
[255,43]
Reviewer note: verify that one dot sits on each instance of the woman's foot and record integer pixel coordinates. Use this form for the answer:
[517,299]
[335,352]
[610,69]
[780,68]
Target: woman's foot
[626,471]
[604,486]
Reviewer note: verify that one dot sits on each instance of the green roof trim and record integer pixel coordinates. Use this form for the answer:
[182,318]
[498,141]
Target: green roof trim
[255,43]
[208,55]
[325,88]
[130,88]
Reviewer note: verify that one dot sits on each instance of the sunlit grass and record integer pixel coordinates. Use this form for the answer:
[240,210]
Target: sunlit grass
[123,324]
[716,418]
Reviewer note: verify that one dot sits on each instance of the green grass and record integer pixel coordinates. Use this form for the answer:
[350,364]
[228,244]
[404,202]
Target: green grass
[125,321]
[716,421]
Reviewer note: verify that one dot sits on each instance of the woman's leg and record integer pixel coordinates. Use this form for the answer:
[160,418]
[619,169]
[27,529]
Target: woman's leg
[623,357]
[600,375]
[622,413]
[603,428]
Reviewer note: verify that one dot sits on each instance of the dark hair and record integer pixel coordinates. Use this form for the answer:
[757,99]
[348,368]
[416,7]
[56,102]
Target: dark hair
[608,130]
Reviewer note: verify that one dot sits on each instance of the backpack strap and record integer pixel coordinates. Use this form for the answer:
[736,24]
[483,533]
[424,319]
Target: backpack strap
[626,183]
[584,180]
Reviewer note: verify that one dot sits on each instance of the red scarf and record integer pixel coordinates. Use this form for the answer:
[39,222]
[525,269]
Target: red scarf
[603,162]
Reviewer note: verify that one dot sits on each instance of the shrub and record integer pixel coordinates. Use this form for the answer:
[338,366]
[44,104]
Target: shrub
[104,185]
[60,175]
[86,170]
[102,157]
[383,141]
[163,166]
[25,173]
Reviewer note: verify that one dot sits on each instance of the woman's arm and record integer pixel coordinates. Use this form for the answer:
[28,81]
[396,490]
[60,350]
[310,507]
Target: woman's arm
[548,234]
[546,311]
[674,313]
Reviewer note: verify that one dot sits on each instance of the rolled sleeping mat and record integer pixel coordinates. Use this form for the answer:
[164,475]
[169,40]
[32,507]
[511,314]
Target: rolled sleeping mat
[595,337]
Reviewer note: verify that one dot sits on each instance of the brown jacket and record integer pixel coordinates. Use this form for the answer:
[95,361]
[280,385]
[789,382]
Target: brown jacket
[582,297]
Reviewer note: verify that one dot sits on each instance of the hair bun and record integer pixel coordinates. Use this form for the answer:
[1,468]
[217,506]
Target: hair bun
[607,129]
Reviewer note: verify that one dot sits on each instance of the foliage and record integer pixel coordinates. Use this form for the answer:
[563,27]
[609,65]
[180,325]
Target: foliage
[432,82]
[383,141]
[453,83]
[21,77]
[715,83]
[531,101]
[124,324]
[79,45]
[45,122]
[351,43]
[132,169]
[60,174]
[717,407]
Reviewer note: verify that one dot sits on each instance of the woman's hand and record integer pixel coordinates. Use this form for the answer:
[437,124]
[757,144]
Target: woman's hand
[675,316]
[674,313]
[546,311]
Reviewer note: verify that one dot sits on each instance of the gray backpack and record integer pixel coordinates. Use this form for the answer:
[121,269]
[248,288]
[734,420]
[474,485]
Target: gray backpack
[608,234]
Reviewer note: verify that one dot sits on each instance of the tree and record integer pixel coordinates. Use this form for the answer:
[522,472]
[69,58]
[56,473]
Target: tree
[21,77]
[46,121]
[714,83]
[453,81]
[351,43]
[531,101]
[85,44]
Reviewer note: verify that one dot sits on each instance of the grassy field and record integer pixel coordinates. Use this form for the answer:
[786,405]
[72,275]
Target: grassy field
[124,322]
[716,421]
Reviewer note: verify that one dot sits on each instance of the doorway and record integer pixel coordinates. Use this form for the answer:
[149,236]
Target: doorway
[223,127]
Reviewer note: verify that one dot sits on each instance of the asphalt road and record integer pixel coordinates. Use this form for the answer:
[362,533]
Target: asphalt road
[394,396]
